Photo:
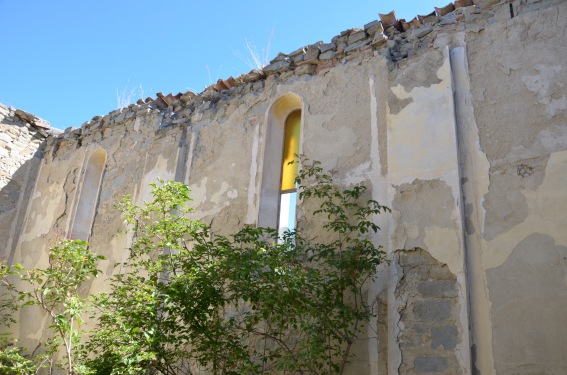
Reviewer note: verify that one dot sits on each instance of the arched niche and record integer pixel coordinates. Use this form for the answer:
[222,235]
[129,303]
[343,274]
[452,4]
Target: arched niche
[90,188]
[276,117]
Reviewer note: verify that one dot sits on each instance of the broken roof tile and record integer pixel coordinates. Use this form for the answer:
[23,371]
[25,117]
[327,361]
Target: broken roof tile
[388,19]
[445,10]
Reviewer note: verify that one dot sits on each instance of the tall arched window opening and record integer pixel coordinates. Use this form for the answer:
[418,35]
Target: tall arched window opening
[278,196]
[84,216]
[288,189]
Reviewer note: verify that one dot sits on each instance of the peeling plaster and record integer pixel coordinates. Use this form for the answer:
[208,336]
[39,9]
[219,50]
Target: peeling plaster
[433,200]
[513,109]
[548,140]
[358,174]
[528,291]
[421,138]
[504,204]
[421,141]
[544,214]
[335,134]
[548,88]
[225,191]
[553,138]
[444,245]
[42,220]
[162,167]
[199,193]
[422,75]
[435,227]
[397,105]
[316,129]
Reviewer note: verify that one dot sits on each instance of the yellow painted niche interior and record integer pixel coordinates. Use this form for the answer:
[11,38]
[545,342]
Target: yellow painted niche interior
[290,149]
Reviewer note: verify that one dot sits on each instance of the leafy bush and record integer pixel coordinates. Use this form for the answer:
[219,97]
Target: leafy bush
[249,303]
[190,300]
[13,361]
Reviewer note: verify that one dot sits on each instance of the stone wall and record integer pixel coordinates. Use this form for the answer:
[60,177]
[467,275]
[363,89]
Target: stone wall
[457,121]
[428,305]
[22,137]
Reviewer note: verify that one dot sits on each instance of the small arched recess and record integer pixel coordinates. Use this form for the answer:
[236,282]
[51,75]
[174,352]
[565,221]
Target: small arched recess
[90,188]
[285,113]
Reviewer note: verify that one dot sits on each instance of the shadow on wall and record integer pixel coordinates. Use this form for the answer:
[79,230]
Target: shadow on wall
[14,201]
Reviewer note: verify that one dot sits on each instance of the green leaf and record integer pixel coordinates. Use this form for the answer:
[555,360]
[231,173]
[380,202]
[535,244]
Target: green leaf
[18,267]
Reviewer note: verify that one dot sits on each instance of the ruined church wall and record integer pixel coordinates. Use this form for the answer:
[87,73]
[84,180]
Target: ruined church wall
[464,139]
[351,121]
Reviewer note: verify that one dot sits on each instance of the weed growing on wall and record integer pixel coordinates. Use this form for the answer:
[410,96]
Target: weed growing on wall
[254,58]
[129,95]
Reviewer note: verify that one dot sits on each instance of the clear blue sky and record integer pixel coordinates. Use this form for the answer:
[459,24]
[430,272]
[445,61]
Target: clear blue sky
[65,60]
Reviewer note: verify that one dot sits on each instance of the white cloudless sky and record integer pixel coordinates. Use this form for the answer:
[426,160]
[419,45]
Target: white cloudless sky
[65,60]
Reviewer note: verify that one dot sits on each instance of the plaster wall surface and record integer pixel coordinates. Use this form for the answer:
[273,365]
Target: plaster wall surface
[463,135]
[518,82]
